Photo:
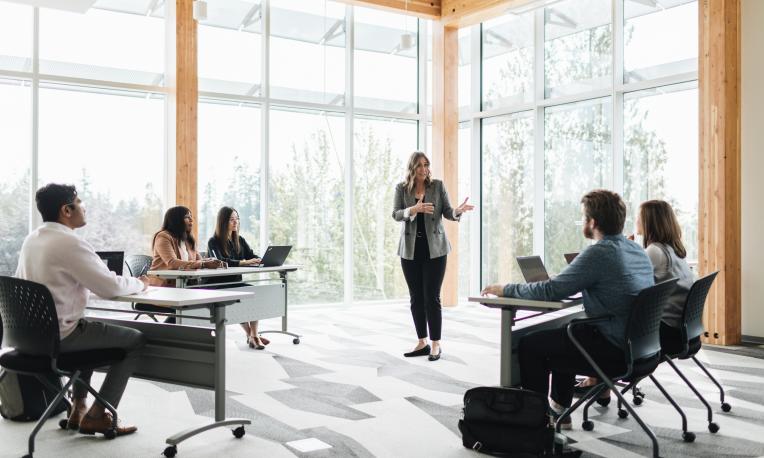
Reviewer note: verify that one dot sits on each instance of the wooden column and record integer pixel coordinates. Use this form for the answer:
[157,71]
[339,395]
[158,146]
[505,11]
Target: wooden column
[186,96]
[720,192]
[445,136]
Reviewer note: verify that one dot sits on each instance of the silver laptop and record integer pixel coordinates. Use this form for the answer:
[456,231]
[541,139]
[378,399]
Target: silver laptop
[532,268]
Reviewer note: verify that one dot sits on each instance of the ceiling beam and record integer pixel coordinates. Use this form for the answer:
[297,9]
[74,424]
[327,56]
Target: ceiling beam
[464,13]
[427,9]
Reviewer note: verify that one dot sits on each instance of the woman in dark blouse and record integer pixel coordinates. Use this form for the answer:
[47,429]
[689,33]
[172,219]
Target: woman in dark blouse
[227,245]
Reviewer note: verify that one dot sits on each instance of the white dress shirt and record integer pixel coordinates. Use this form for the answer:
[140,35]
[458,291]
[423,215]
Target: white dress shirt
[69,266]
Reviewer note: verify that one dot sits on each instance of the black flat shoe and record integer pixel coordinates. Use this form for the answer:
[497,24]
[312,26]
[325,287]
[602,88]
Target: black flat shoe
[421,352]
[435,357]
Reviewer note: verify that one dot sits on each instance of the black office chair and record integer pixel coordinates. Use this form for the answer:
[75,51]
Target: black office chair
[31,342]
[642,350]
[138,265]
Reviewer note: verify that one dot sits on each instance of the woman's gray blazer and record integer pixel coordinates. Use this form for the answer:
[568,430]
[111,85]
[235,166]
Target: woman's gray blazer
[435,194]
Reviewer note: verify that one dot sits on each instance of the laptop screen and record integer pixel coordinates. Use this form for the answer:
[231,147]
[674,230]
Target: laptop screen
[114,260]
[532,268]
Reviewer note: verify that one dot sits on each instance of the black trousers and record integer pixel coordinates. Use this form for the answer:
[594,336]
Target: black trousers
[552,351]
[424,277]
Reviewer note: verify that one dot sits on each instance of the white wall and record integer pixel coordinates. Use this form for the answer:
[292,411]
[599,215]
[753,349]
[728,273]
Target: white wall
[752,137]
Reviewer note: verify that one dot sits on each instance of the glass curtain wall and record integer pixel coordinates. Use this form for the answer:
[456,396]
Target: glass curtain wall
[578,95]
[281,141]
[111,147]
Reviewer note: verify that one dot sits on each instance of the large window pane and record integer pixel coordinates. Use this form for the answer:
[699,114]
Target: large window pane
[229,47]
[465,169]
[308,51]
[660,40]
[16,23]
[381,148]
[113,152]
[305,201]
[507,60]
[577,46]
[464,71]
[385,64]
[660,155]
[507,196]
[102,45]
[229,167]
[15,150]
[577,159]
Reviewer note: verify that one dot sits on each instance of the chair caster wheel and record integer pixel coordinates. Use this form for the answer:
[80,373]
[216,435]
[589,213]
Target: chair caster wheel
[238,432]
[726,407]
[637,401]
[27,456]
[62,423]
[604,402]
[622,413]
[588,425]
[296,341]
[688,436]
[110,433]
[713,427]
[171,451]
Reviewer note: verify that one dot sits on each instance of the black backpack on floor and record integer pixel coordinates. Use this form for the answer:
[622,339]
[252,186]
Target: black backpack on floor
[24,398]
[506,422]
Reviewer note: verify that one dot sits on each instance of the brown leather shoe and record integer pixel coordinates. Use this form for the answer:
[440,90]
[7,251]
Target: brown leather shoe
[76,417]
[264,340]
[90,425]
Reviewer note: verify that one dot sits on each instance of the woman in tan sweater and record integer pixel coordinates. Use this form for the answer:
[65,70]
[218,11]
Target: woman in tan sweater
[174,248]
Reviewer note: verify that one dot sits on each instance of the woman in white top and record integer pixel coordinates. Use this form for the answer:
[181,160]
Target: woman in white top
[662,239]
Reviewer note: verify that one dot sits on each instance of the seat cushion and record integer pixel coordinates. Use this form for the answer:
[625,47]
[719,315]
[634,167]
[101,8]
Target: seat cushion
[644,367]
[67,362]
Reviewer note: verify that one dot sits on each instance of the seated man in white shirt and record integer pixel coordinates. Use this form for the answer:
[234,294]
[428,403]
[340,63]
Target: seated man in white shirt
[56,257]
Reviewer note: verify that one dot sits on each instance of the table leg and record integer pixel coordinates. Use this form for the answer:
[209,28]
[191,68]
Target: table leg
[284,321]
[218,312]
[507,319]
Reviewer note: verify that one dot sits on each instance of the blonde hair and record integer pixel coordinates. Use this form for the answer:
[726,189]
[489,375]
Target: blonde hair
[659,225]
[411,171]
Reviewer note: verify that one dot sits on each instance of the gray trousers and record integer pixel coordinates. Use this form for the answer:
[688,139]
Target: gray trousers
[94,335]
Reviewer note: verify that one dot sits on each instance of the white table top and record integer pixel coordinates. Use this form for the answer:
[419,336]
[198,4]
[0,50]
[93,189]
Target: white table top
[524,304]
[182,297]
[203,273]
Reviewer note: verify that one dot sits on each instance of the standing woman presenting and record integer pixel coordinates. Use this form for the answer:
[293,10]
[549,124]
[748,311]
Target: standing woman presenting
[421,203]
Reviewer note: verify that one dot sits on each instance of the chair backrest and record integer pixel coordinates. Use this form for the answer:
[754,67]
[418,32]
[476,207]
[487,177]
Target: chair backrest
[643,328]
[138,264]
[692,316]
[30,321]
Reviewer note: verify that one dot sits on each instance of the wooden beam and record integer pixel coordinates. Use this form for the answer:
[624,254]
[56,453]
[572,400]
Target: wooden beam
[464,13]
[186,105]
[720,192]
[445,139]
[427,9]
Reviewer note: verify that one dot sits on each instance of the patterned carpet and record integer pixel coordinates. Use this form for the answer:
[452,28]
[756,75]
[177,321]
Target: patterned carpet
[346,391]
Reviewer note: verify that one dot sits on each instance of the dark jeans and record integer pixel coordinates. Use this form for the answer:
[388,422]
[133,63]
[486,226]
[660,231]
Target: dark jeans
[552,351]
[94,335]
[424,277]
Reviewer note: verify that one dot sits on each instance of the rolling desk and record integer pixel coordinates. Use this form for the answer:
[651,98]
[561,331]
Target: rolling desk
[269,300]
[548,315]
[185,355]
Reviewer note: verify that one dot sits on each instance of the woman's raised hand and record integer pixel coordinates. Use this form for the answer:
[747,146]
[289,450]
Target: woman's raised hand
[464,207]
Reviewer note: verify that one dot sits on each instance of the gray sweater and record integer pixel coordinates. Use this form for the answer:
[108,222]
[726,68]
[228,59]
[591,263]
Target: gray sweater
[666,264]
[609,273]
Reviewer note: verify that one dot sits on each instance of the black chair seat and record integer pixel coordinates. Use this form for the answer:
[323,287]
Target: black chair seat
[644,367]
[68,362]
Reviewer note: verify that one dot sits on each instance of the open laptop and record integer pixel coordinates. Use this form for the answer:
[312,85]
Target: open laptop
[569,257]
[114,260]
[532,268]
[275,255]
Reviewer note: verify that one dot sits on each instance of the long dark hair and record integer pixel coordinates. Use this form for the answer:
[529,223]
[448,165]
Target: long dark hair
[174,224]
[221,230]
[659,225]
